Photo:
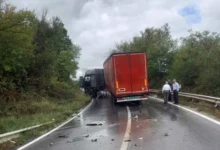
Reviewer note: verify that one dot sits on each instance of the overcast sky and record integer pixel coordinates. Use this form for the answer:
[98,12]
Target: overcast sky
[96,25]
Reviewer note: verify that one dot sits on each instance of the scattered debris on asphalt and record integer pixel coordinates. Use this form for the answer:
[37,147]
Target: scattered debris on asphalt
[69,142]
[94,140]
[136,117]
[127,140]
[165,134]
[95,124]
[135,145]
[112,139]
[51,144]
[140,138]
[62,136]
[86,136]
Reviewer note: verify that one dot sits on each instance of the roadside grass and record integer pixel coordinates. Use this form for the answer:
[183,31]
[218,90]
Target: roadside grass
[38,112]
[199,106]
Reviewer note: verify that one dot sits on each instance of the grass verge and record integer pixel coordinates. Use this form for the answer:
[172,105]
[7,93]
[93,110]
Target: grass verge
[203,107]
[41,111]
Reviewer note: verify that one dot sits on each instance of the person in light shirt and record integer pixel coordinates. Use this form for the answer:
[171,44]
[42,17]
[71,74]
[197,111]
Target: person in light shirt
[176,88]
[166,90]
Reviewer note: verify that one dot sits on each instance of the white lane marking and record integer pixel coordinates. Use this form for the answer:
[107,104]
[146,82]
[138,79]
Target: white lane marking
[124,145]
[46,134]
[194,112]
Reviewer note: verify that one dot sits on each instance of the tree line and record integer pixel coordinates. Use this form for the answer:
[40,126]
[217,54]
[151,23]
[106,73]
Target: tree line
[193,60]
[36,55]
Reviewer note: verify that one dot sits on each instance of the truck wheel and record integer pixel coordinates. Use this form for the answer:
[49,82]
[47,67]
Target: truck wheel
[138,102]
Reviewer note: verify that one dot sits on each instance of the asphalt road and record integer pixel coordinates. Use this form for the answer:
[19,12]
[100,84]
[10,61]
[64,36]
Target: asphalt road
[156,128]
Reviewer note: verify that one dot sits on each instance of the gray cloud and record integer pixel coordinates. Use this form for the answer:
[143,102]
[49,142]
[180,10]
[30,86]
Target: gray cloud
[96,25]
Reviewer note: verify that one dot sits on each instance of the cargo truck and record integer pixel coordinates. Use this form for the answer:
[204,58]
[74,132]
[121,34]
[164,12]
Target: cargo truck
[126,76]
[93,82]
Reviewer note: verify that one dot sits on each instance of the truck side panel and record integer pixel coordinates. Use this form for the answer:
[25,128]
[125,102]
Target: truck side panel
[139,79]
[109,76]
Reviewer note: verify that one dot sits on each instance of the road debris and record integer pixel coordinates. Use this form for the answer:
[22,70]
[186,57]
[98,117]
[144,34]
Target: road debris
[95,124]
[94,140]
[165,134]
[127,140]
[69,141]
[135,145]
[140,138]
[51,143]
[86,136]
[136,117]
[112,139]
[62,136]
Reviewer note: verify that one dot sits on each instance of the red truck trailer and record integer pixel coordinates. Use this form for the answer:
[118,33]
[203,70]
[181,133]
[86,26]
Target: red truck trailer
[126,76]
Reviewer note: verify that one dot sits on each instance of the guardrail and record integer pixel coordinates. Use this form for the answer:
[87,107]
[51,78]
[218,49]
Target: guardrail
[211,99]
[15,134]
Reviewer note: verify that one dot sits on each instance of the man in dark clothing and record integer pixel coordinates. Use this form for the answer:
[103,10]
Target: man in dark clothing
[176,88]
[171,85]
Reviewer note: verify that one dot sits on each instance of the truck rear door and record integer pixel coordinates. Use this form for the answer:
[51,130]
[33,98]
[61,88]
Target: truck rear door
[122,74]
[138,73]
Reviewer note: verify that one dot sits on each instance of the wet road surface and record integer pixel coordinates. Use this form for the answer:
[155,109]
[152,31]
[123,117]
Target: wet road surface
[153,127]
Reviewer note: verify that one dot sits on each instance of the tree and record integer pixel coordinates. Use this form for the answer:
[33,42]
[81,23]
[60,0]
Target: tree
[16,34]
[160,48]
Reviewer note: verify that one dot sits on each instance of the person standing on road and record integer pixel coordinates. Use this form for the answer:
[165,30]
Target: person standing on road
[166,90]
[170,96]
[175,91]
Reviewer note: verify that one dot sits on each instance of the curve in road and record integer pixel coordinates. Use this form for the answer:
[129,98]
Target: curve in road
[152,127]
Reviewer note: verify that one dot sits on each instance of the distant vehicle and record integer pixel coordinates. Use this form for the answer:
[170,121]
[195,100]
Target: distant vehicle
[93,82]
[126,76]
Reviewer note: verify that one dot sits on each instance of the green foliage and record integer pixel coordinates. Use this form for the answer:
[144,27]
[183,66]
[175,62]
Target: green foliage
[159,46]
[16,35]
[194,62]
[37,56]
[197,64]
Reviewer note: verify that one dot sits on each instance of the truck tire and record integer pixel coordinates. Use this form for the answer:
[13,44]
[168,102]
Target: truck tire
[137,102]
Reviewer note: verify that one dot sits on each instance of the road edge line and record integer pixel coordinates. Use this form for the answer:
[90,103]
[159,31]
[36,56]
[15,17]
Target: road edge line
[192,111]
[46,134]
[124,145]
